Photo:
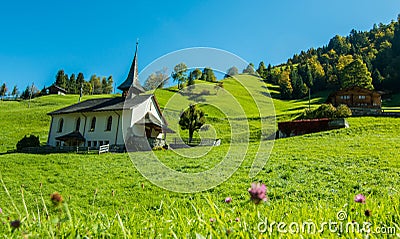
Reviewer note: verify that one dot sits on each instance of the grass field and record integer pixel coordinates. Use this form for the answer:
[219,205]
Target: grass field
[311,178]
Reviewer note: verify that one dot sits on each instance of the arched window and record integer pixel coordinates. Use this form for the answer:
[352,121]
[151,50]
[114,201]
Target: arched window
[93,124]
[78,124]
[60,125]
[109,123]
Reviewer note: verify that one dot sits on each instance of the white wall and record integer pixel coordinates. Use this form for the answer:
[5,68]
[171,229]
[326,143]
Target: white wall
[123,123]
[99,133]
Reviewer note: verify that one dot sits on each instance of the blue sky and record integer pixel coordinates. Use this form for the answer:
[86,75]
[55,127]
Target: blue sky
[37,38]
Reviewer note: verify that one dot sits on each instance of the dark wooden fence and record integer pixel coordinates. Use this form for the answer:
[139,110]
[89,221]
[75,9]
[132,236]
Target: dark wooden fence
[391,111]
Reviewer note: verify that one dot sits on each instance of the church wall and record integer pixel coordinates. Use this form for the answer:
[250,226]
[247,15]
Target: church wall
[69,125]
[99,135]
[125,122]
[152,107]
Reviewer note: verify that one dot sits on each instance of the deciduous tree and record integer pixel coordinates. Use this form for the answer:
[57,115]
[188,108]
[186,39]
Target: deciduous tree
[231,72]
[249,69]
[192,119]
[356,74]
[179,74]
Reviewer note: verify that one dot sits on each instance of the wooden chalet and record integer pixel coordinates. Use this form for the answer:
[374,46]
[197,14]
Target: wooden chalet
[361,101]
[56,90]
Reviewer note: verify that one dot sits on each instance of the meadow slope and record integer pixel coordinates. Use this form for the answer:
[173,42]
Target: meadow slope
[309,178]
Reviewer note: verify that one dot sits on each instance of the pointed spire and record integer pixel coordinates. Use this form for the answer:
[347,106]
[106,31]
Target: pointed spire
[132,79]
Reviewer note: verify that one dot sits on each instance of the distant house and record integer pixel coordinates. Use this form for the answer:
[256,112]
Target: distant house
[361,101]
[308,126]
[135,118]
[56,90]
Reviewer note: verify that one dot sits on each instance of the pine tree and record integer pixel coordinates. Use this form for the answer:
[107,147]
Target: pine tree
[110,82]
[3,90]
[262,70]
[208,75]
[72,89]
[14,92]
[61,79]
[80,80]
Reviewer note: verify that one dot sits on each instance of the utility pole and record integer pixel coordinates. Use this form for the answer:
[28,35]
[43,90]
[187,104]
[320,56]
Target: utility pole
[80,93]
[309,98]
[30,95]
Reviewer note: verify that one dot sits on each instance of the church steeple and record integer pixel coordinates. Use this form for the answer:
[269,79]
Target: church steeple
[131,86]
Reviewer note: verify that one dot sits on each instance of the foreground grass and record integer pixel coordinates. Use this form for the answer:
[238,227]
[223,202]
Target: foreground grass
[309,178]
[312,177]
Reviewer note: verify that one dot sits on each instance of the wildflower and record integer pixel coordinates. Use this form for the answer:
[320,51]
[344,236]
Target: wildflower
[1,210]
[258,192]
[368,213]
[359,198]
[237,219]
[228,200]
[15,224]
[212,220]
[56,198]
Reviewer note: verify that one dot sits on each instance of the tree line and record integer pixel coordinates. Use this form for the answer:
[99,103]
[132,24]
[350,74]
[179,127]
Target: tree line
[369,59]
[72,85]
[75,84]
[182,76]
[4,91]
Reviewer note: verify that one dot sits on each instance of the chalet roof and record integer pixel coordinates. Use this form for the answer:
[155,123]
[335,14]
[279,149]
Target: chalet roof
[354,89]
[57,87]
[104,104]
[132,79]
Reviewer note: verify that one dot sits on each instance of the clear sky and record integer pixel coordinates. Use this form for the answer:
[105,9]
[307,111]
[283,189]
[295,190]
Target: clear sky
[37,38]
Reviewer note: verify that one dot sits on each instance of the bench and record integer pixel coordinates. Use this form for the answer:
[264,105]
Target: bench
[104,148]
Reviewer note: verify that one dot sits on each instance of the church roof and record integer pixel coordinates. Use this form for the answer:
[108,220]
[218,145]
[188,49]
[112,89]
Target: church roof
[132,79]
[103,104]
[149,118]
[76,135]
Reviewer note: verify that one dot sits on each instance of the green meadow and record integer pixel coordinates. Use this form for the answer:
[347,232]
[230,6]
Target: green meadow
[310,179]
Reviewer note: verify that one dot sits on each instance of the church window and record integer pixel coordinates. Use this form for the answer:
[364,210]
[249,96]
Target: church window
[93,124]
[109,123]
[78,124]
[60,125]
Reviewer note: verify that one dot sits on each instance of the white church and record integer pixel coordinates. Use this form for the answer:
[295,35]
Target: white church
[132,122]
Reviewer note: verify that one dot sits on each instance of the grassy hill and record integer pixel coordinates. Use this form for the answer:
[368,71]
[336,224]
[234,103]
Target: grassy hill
[309,178]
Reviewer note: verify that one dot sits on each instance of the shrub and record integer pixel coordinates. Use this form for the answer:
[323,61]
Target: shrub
[31,141]
[327,111]
[343,111]
[158,148]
